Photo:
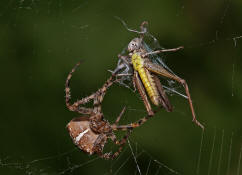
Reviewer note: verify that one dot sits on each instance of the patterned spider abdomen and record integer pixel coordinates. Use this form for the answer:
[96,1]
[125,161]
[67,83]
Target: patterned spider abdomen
[82,135]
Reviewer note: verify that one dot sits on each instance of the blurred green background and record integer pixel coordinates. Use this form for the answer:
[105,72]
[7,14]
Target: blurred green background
[40,42]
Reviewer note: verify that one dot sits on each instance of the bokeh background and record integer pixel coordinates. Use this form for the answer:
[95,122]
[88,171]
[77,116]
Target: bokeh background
[40,42]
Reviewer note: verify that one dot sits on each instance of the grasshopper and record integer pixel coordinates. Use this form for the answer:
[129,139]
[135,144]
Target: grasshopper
[144,73]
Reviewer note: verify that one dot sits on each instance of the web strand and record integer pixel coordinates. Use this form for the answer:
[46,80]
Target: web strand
[230,154]
[239,161]
[200,153]
[220,154]
[212,152]
[137,165]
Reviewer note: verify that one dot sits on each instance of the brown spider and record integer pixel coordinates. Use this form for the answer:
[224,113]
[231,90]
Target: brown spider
[140,66]
[90,132]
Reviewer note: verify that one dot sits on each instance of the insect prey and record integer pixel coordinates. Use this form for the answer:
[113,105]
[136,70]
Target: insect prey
[144,72]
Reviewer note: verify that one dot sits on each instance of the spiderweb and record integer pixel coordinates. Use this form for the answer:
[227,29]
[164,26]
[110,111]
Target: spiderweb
[41,40]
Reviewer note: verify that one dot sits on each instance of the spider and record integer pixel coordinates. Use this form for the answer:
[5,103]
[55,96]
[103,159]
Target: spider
[91,131]
[144,72]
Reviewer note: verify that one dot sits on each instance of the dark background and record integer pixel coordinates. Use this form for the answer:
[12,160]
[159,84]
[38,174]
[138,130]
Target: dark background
[40,42]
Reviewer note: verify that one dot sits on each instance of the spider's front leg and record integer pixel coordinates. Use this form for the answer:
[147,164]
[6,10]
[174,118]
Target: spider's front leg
[163,72]
[135,124]
[75,106]
[97,97]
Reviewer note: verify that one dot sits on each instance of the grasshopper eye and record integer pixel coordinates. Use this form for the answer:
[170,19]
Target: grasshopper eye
[131,46]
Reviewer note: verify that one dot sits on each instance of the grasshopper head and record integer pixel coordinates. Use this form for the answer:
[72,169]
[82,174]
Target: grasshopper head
[134,44]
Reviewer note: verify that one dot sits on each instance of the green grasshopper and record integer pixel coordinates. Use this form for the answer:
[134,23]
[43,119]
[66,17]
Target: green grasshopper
[144,73]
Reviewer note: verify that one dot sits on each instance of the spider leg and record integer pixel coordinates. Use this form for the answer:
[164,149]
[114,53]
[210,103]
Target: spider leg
[138,84]
[99,144]
[97,97]
[120,142]
[120,115]
[133,125]
[75,106]
[67,88]
[163,72]
[162,50]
